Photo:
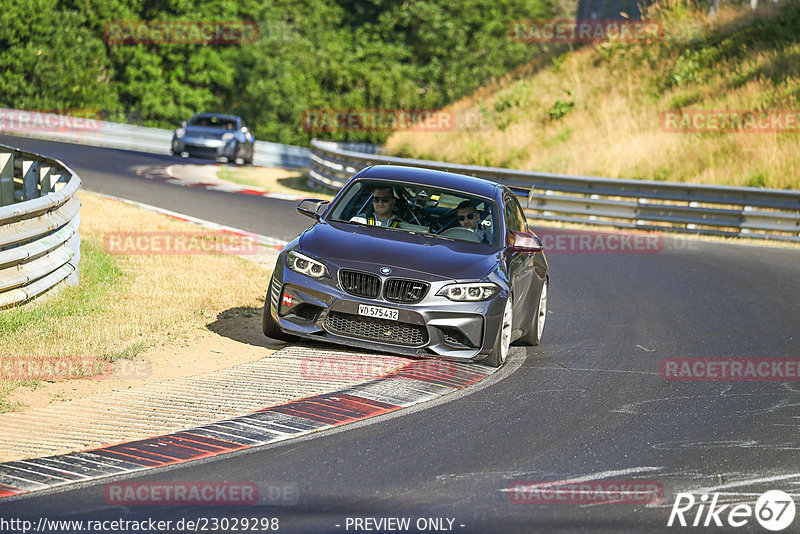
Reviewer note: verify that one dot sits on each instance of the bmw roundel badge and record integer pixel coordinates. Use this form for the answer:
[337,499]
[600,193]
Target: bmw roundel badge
[386,270]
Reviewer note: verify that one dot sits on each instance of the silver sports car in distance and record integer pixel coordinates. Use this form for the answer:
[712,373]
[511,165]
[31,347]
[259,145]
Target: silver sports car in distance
[414,262]
[214,135]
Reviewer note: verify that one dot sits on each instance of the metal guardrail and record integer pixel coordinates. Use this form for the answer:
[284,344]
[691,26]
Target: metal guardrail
[117,135]
[639,204]
[39,218]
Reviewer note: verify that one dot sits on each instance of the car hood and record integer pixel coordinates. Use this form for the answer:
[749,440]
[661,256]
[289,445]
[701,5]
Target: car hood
[370,248]
[207,132]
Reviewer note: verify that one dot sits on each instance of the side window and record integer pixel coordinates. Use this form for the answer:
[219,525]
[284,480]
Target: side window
[515,218]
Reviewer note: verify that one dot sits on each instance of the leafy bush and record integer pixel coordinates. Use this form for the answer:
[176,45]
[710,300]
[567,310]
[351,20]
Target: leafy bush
[561,107]
[692,66]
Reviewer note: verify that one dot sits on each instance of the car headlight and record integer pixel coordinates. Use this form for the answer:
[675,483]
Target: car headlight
[300,263]
[180,132]
[227,136]
[472,291]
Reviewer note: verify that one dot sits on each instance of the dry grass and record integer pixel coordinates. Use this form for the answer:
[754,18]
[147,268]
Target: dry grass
[126,303]
[597,111]
[273,180]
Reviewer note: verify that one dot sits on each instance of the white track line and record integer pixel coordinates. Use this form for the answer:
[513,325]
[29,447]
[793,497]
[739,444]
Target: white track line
[262,239]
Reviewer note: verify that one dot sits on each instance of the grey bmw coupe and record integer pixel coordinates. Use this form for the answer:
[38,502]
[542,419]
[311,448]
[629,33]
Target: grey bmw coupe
[414,262]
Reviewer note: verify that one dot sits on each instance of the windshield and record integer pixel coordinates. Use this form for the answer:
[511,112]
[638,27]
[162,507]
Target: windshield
[418,208]
[212,122]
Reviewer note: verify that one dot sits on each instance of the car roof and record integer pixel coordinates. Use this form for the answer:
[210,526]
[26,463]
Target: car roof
[217,115]
[445,180]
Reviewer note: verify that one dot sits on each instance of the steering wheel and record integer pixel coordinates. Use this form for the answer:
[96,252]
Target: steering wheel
[461,233]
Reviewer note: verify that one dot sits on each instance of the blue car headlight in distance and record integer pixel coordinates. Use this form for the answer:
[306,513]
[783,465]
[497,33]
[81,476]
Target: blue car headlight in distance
[227,136]
[300,263]
[179,133]
[468,292]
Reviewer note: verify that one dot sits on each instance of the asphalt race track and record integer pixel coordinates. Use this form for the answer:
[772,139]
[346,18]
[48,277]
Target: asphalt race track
[111,172]
[588,404]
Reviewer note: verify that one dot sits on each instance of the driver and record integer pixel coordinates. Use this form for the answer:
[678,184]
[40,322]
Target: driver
[383,203]
[468,217]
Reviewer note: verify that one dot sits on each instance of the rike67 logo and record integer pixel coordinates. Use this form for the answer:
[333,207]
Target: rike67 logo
[774,510]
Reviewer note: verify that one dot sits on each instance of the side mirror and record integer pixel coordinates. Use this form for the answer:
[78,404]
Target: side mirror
[313,207]
[525,242]
[183,124]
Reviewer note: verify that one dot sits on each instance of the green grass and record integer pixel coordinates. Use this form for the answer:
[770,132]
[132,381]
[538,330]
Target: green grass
[231,175]
[98,274]
[5,405]
[128,353]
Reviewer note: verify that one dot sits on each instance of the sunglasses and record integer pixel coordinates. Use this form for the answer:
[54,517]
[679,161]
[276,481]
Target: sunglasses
[381,199]
[469,216]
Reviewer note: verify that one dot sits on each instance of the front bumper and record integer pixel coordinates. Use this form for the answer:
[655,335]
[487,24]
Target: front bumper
[435,326]
[197,146]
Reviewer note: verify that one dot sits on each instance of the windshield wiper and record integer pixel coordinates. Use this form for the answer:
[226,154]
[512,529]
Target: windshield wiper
[437,236]
[357,223]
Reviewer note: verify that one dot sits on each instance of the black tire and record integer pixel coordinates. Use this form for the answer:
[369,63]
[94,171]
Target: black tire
[268,324]
[235,159]
[533,334]
[499,354]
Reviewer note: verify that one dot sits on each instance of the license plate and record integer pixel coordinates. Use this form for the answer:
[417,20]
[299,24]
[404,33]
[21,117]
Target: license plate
[377,311]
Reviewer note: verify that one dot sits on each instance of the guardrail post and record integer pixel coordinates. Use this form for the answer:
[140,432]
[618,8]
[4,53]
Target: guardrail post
[74,244]
[44,179]
[6,178]
[30,180]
